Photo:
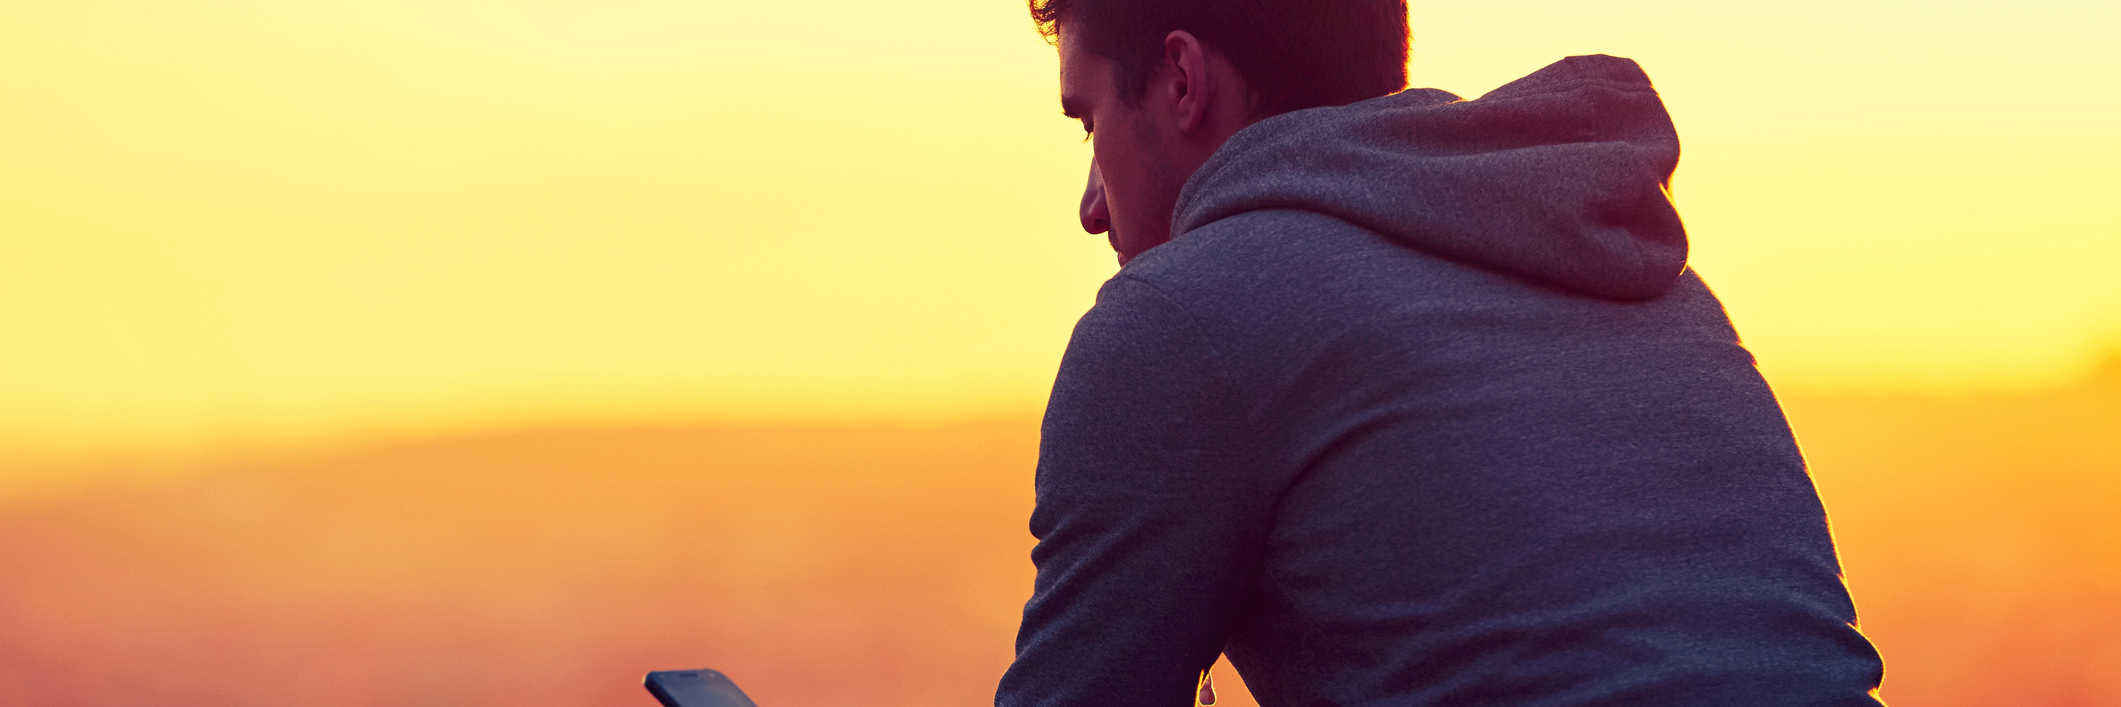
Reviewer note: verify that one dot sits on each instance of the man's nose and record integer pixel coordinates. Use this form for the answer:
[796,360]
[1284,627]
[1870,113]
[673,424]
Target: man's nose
[1096,218]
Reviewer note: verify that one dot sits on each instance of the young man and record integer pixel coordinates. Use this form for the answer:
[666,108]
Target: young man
[1400,399]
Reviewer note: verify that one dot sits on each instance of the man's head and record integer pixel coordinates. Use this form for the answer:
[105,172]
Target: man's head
[1162,83]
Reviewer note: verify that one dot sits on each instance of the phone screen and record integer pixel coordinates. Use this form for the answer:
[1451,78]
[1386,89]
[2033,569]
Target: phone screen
[695,688]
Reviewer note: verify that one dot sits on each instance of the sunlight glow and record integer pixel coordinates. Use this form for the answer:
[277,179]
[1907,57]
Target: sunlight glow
[235,221]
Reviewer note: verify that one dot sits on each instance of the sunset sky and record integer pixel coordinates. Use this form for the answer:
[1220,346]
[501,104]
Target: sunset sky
[240,222]
[483,353]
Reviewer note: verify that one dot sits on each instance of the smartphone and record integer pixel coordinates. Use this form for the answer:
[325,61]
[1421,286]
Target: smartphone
[695,688]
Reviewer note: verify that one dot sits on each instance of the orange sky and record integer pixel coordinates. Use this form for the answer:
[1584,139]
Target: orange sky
[885,566]
[240,223]
[368,352]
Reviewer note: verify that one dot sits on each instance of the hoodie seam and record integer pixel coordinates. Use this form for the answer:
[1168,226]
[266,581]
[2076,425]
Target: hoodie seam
[1215,354]
[1254,459]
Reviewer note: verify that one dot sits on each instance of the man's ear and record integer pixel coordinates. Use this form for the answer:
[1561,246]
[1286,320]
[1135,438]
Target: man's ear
[1192,90]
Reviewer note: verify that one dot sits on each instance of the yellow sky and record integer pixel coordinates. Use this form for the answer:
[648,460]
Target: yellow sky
[241,221]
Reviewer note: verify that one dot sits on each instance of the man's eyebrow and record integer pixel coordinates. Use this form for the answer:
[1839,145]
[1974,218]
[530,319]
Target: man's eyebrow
[1070,108]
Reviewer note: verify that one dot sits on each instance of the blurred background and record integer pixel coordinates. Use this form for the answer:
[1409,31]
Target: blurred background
[464,352]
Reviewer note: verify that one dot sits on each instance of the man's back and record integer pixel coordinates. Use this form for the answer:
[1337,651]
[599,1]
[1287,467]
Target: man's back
[1380,461]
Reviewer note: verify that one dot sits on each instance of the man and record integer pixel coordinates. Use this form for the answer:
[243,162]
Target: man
[1399,399]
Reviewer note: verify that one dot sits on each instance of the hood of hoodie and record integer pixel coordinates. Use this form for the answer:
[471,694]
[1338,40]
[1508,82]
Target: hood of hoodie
[1561,177]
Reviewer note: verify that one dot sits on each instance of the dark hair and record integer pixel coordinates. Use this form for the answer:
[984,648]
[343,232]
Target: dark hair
[1294,53]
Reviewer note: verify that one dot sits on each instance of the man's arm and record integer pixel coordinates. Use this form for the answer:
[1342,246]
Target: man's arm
[1151,517]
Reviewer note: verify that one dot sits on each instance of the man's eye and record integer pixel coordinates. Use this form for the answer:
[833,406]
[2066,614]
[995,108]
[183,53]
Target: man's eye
[1088,129]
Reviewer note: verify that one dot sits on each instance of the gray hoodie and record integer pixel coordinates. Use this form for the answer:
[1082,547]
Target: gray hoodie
[1422,407]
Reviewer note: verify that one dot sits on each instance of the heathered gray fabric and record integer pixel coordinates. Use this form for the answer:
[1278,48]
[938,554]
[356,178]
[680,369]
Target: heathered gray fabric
[1559,176]
[1421,407]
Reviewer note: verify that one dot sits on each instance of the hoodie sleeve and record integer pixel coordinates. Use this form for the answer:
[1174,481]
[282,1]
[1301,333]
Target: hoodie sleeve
[1149,523]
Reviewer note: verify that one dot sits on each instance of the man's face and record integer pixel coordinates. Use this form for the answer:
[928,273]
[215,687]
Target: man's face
[1134,178]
